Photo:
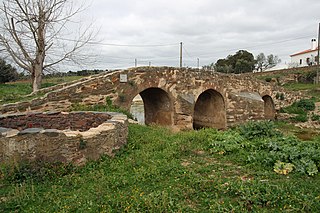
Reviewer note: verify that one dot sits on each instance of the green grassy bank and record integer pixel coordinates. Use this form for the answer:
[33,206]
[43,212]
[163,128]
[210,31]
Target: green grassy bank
[161,171]
[15,91]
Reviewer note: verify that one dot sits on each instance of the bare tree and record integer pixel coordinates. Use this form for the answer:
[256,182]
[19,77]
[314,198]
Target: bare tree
[33,34]
[263,62]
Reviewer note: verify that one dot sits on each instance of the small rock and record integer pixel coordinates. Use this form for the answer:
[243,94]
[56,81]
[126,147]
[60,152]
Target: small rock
[11,133]
[30,131]
[2,130]
[133,121]
[50,132]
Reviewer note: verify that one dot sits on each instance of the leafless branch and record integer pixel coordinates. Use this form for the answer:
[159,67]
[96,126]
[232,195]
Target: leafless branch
[32,29]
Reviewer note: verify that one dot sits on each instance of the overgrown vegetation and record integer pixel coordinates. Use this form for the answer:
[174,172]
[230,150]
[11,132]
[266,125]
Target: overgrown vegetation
[301,108]
[250,168]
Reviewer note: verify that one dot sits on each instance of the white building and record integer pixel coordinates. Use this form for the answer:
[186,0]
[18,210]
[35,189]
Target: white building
[306,57]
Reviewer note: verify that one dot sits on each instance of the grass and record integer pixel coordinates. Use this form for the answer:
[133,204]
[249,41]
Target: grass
[305,134]
[310,89]
[161,171]
[301,86]
[16,91]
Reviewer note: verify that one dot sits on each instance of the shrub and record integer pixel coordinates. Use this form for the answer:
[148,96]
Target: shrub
[268,79]
[283,168]
[260,129]
[7,72]
[307,77]
[306,104]
[300,118]
[300,107]
[315,117]
[280,96]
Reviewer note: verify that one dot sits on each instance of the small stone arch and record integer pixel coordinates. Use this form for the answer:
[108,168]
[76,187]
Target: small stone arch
[209,110]
[269,108]
[157,107]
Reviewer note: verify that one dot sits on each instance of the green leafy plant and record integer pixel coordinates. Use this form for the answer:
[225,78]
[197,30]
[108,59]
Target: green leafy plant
[268,79]
[82,144]
[300,118]
[283,168]
[315,117]
[306,104]
[260,129]
[280,96]
[301,108]
[307,166]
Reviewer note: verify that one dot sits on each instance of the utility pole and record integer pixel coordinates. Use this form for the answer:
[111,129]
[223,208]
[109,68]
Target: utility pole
[135,62]
[317,80]
[180,54]
[198,63]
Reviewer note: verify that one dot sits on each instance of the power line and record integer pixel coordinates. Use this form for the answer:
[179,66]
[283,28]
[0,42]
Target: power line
[121,45]
[185,50]
[260,45]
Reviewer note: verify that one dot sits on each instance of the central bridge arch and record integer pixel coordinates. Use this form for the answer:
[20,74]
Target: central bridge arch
[157,107]
[209,110]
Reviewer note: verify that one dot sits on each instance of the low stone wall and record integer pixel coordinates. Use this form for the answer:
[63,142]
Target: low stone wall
[82,136]
[81,121]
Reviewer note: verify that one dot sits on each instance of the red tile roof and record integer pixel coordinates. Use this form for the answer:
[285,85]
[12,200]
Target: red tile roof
[305,51]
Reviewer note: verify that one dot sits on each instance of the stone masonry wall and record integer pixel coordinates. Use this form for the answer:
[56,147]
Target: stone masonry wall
[181,86]
[81,121]
[69,146]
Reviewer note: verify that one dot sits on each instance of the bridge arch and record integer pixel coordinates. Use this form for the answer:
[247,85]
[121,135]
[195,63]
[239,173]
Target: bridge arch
[209,110]
[157,107]
[269,107]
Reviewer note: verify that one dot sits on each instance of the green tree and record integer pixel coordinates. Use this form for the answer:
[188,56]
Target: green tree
[242,65]
[241,62]
[7,72]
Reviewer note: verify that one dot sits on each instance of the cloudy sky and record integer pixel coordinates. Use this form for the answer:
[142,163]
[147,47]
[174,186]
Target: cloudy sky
[151,30]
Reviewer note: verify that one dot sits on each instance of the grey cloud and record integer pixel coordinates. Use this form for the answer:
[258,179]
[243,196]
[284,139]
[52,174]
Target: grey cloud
[210,29]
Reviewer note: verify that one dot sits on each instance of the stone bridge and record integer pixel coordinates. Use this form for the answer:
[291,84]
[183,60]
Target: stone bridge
[177,98]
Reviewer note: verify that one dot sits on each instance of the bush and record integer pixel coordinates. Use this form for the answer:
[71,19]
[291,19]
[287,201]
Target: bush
[300,107]
[300,118]
[315,117]
[268,79]
[7,72]
[306,104]
[259,144]
[307,77]
[262,129]
[280,96]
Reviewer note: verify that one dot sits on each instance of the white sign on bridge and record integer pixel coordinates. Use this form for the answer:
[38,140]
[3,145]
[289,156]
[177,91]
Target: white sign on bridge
[123,78]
